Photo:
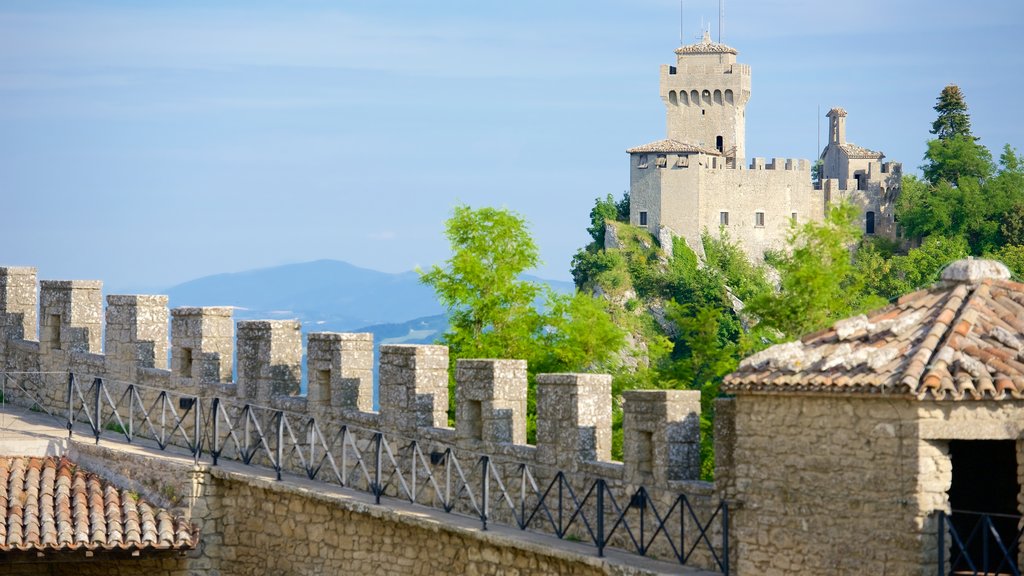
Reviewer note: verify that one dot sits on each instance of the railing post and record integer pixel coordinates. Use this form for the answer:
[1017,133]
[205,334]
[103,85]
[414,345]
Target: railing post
[311,436]
[485,490]
[71,402]
[198,425]
[725,538]
[132,394]
[600,516]
[985,527]
[280,443]
[216,430]
[942,543]
[97,426]
[378,456]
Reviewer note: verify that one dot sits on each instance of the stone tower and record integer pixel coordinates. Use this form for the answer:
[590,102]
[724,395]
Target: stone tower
[705,97]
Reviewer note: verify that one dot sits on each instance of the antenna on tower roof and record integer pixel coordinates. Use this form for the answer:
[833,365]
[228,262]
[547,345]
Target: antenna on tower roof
[721,19]
[681,42]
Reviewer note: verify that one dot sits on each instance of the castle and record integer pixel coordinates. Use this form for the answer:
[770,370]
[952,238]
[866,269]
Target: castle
[696,179]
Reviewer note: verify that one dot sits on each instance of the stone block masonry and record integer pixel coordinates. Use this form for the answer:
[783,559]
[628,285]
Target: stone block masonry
[490,400]
[339,368]
[413,387]
[136,334]
[269,359]
[202,347]
[573,419]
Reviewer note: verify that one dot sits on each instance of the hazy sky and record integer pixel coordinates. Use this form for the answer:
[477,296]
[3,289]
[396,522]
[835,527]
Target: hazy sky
[148,143]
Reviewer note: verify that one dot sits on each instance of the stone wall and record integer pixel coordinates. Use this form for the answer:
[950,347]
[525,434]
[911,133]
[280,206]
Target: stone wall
[830,485]
[573,410]
[690,197]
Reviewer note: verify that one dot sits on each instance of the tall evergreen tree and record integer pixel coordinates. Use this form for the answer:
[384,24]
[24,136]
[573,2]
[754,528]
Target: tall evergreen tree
[955,152]
[953,119]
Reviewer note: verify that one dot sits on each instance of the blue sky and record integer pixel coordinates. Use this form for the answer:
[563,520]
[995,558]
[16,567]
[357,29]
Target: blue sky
[148,143]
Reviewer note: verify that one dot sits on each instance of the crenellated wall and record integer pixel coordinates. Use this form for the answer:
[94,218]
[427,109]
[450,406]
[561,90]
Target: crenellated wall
[573,410]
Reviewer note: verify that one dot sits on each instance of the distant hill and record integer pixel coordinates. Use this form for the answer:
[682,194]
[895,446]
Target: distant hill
[328,295]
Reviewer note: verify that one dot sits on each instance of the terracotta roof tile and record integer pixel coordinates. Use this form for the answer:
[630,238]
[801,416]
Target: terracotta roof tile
[962,339]
[51,504]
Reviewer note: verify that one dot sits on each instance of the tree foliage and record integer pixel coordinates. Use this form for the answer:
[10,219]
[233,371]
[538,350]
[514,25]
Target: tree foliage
[818,283]
[953,119]
[954,154]
[490,308]
[492,312]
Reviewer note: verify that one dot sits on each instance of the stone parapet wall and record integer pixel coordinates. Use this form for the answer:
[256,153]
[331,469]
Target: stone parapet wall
[573,410]
[252,524]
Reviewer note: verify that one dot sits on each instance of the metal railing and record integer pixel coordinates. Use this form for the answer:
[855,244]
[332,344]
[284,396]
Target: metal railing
[420,471]
[989,546]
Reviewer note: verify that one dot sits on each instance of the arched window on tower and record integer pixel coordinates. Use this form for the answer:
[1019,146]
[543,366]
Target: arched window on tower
[869,223]
[719,144]
[672,97]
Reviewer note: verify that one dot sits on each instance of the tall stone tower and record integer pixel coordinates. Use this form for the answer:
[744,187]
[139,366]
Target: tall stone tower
[705,97]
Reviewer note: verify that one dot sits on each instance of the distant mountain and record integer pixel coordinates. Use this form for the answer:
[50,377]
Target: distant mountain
[326,295]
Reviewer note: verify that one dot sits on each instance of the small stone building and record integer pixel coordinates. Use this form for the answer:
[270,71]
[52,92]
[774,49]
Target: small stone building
[850,442]
[858,175]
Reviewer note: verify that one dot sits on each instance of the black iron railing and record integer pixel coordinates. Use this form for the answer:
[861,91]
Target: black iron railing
[421,471]
[979,543]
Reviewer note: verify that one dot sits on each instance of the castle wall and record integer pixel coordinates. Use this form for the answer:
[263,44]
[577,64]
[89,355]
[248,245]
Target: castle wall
[689,198]
[777,191]
[573,410]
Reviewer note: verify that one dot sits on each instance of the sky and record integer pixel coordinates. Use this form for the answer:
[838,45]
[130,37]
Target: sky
[150,143]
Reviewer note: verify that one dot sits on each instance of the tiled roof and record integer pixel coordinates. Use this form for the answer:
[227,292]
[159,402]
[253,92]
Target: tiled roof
[962,339]
[706,46]
[669,145]
[854,151]
[51,504]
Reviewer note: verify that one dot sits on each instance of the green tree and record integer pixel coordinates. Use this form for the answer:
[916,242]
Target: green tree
[492,311]
[818,283]
[490,308]
[956,158]
[953,119]
[1013,257]
[607,209]
[954,153]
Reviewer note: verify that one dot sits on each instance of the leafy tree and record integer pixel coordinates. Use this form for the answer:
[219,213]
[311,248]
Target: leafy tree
[607,209]
[492,312]
[892,276]
[818,283]
[955,152]
[1013,257]
[956,158]
[953,119]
